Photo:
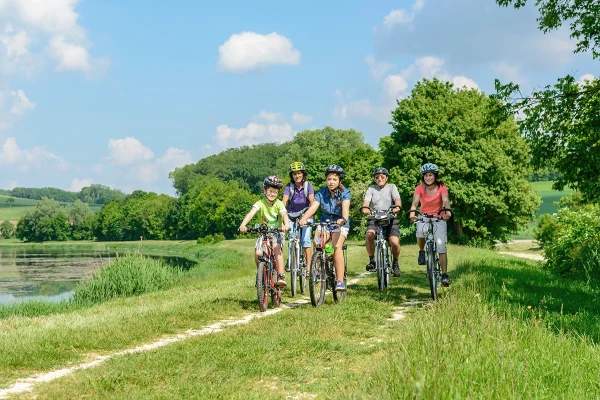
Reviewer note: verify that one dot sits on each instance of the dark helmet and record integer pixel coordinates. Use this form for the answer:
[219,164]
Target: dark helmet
[335,168]
[429,167]
[381,170]
[273,181]
[295,167]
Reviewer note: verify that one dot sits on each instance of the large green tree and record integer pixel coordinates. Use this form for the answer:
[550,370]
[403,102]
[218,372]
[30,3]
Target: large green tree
[562,122]
[47,221]
[482,159]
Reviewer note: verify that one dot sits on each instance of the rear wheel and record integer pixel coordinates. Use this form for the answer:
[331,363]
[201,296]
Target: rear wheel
[262,286]
[293,265]
[317,283]
[431,273]
[302,274]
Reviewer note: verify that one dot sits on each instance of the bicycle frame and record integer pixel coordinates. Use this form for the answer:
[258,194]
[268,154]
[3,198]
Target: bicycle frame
[266,274]
[295,258]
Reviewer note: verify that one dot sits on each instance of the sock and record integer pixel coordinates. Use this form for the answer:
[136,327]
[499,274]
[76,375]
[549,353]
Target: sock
[372,258]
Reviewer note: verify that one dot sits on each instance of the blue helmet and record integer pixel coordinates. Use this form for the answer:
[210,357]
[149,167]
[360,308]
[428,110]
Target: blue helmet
[335,168]
[381,170]
[429,167]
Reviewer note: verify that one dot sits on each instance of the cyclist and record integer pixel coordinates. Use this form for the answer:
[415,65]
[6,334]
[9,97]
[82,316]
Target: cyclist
[271,212]
[300,193]
[334,200]
[381,197]
[433,196]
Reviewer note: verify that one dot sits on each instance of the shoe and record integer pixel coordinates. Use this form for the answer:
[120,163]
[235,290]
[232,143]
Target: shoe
[371,266]
[339,285]
[395,269]
[445,280]
[307,274]
[421,260]
[281,281]
[287,268]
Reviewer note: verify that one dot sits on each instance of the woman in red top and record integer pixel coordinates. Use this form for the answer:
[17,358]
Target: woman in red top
[433,196]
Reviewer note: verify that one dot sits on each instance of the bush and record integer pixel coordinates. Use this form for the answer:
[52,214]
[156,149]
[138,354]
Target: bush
[210,239]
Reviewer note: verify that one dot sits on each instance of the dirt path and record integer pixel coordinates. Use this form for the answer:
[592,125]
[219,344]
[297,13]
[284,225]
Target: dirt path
[536,257]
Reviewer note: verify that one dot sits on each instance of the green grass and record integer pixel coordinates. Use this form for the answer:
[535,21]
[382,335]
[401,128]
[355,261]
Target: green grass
[480,341]
[549,197]
[13,212]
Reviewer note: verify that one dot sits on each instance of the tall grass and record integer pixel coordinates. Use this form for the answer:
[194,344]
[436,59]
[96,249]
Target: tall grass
[130,275]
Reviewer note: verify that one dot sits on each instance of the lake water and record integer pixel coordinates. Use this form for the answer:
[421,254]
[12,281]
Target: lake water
[52,275]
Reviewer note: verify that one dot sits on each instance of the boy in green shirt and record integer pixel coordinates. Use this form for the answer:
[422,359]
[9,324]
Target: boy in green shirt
[270,209]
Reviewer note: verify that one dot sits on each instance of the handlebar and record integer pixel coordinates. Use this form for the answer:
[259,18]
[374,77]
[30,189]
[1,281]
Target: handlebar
[389,212]
[420,215]
[324,223]
[263,229]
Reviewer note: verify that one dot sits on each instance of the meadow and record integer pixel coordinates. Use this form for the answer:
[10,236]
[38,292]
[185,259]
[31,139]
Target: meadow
[14,211]
[506,328]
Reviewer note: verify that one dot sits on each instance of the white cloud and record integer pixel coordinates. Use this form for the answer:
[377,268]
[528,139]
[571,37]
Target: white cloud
[253,133]
[128,151]
[249,51]
[269,117]
[78,184]
[378,69]
[462,82]
[13,105]
[21,103]
[403,17]
[584,78]
[69,57]
[509,72]
[394,85]
[26,159]
[301,119]
[174,158]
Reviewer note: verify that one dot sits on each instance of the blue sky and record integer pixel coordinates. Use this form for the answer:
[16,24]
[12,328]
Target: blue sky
[121,92]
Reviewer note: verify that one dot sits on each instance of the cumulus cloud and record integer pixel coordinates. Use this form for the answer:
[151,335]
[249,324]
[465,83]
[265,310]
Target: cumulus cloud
[249,51]
[583,79]
[252,133]
[269,117]
[128,151]
[402,17]
[26,159]
[13,105]
[78,184]
[509,72]
[301,119]
[174,158]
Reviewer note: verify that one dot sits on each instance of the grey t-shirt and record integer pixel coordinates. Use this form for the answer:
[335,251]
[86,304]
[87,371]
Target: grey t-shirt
[382,198]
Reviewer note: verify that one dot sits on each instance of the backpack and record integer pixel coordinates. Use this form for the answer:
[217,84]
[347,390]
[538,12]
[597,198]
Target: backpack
[293,189]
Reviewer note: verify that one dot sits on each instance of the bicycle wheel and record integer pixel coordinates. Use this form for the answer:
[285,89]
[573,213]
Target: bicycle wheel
[431,273]
[293,265]
[317,283]
[339,295]
[386,268]
[380,266]
[276,295]
[262,285]
[302,274]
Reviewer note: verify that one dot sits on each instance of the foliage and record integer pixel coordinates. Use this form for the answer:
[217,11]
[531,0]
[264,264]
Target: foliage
[110,222]
[482,159]
[60,195]
[10,201]
[211,239]
[99,194]
[93,194]
[544,174]
[571,241]
[7,229]
[47,221]
[85,230]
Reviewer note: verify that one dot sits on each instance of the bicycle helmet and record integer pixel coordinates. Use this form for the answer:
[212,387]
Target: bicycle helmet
[273,181]
[381,170]
[295,167]
[429,167]
[335,168]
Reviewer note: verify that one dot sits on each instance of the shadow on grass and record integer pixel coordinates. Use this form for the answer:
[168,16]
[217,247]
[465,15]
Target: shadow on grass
[523,289]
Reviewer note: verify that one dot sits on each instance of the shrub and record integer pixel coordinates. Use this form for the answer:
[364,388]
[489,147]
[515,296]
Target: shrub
[210,239]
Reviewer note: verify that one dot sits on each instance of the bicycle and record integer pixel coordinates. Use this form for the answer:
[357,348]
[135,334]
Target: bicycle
[296,264]
[322,271]
[432,259]
[266,273]
[382,218]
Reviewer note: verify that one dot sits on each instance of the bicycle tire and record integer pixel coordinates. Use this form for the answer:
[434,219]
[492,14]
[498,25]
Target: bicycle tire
[302,274]
[431,273]
[276,296]
[316,286]
[340,295]
[262,286]
[386,267]
[380,267]
[293,265]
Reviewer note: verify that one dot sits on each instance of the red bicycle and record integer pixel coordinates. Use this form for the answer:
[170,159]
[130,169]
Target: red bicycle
[266,274]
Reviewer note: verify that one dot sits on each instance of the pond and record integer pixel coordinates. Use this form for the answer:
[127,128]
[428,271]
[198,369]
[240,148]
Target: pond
[51,275]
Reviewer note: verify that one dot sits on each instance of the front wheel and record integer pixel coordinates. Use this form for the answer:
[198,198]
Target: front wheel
[317,283]
[302,275]
[431,273]
[262,285]
[293,265]
[380,262]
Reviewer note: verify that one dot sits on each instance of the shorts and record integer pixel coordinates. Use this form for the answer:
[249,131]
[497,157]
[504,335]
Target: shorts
[439,234]
[343,230]
[277,238]
[388,230]
[305,233]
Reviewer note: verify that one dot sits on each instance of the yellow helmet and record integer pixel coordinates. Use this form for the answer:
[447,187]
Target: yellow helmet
[297,166]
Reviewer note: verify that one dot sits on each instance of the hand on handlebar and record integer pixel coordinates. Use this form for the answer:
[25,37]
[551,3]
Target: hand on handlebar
[302,222]
[243,228]
[285,228]
[341,222]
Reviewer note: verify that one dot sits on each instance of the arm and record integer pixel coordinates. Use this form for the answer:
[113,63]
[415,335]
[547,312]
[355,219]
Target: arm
[285,199]
[365,211]
[413,206]
[286,221]
[446,204]
[247,219]
[314,206]
[345,213]
[398,203]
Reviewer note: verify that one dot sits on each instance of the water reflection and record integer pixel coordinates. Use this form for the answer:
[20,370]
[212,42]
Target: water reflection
[52,275]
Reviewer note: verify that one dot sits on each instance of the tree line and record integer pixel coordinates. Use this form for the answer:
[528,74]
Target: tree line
[93,194]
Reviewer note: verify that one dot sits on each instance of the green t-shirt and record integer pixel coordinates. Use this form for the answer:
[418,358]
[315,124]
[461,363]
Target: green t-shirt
[270,215]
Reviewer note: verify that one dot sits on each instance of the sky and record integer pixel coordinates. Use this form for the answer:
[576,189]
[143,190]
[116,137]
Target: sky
[120,93]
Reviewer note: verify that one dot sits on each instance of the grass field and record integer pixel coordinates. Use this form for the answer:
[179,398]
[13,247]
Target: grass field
[14,211]
[504,329]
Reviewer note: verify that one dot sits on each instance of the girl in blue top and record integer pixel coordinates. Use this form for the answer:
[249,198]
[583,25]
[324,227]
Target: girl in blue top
[334,200]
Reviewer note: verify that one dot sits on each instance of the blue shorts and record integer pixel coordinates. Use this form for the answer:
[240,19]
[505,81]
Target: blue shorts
[305,234]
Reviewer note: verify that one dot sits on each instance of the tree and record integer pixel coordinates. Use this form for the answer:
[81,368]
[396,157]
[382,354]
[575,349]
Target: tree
[7,229]
[562,121]
[47,221]
[482,159]
[10,201]
[110,222]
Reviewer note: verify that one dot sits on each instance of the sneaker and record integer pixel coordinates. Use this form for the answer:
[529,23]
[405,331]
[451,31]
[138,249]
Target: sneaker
[395,269]
[445,280]
[281,281]
[340,286]
[421,260]
[371,266]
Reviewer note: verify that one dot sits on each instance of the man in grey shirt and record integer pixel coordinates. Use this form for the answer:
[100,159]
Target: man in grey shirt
[381,197]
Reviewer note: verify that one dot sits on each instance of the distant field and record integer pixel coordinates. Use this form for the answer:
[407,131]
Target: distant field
[20,207]
[549,197]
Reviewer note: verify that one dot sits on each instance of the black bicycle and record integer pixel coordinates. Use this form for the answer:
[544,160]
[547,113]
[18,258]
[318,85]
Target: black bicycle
[266,273]
[383,262]
[296,264]
[432,259]
[322,270]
